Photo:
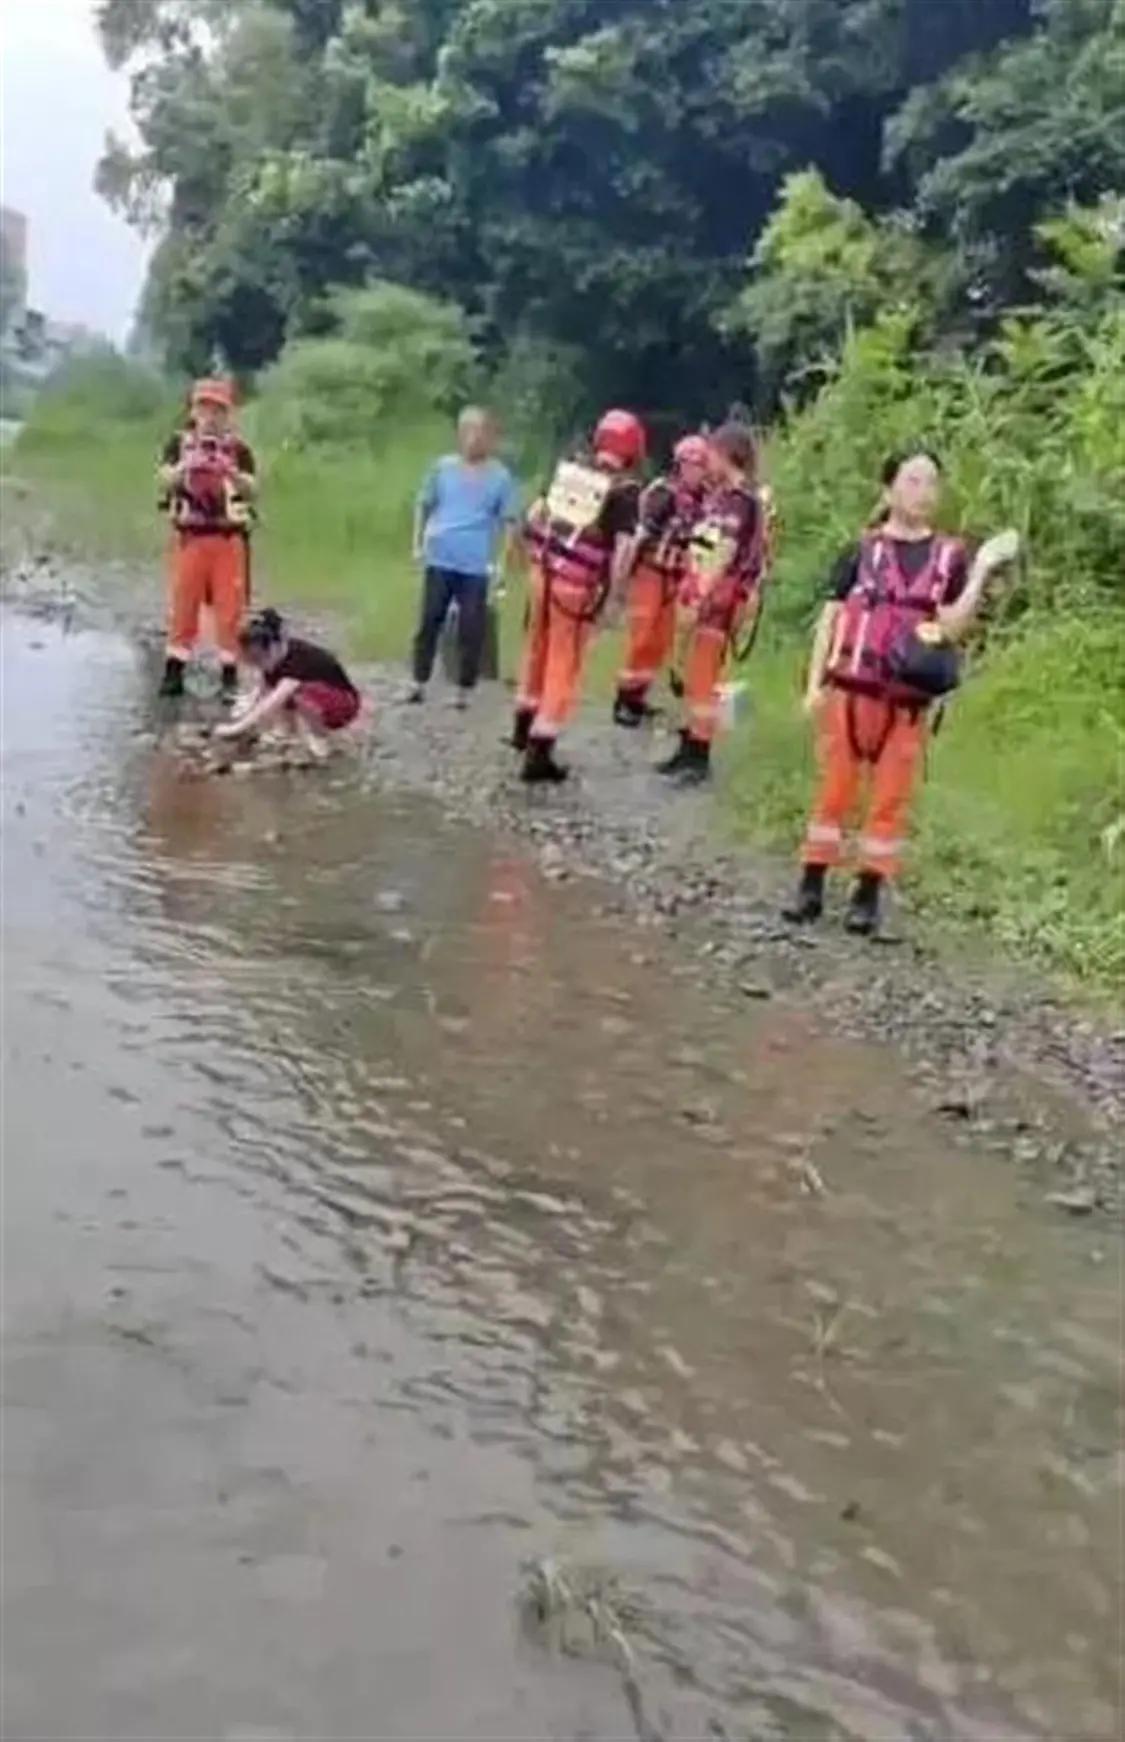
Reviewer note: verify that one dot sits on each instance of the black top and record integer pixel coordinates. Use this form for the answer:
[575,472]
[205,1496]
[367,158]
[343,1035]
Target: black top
[657,506]
[305,662]
[619,511]
[913,554]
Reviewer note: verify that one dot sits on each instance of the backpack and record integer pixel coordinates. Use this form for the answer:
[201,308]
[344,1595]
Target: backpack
[572,549]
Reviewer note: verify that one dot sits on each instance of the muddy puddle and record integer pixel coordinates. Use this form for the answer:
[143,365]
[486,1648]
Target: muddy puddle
[388,1234]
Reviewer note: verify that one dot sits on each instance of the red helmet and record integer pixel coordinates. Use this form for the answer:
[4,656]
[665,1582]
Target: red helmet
[213,392]
[691,450]
[622,436]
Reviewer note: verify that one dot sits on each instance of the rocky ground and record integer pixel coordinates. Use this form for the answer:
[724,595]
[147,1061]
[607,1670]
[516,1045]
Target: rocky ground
[1006,1058]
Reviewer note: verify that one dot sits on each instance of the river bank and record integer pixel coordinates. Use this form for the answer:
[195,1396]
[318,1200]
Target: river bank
[1020,852]
[1007,1059]
[439,1305]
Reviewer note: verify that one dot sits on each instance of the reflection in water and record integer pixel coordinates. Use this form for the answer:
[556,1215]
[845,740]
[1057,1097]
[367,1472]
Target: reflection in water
[841,1411]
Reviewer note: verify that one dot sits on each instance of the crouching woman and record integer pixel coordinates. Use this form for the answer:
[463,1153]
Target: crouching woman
[298,684]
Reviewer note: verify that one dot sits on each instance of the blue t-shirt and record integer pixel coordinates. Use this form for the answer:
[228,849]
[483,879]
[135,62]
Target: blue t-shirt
[466,508]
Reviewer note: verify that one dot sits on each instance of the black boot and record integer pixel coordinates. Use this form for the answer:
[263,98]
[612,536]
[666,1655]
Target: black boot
[862,916]
[808,903]
[521,728]
[678,759]
[228,685]
[172,683]
[697,767]
[539,764]
[629,709]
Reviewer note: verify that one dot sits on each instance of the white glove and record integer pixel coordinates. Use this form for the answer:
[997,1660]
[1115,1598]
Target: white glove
[999,550]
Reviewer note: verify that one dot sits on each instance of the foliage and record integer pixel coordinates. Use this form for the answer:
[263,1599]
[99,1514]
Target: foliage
[1031,431]
[1011,136]
[99,388]
[387,349]
[589,172]
[820,267]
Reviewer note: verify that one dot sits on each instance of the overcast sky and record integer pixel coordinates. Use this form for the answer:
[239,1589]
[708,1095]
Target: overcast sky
[57,100]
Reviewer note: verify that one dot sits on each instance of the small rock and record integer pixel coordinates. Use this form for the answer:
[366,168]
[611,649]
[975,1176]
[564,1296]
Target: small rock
[752,989]
[1076,1203]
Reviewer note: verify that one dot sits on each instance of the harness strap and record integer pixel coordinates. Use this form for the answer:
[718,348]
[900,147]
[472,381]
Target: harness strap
[869,756]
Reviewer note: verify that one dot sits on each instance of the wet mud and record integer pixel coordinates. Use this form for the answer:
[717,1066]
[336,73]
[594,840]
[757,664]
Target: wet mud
[439,1304]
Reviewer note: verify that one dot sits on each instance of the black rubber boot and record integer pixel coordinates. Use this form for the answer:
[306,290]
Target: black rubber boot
[697,765]
[521,728]
[228,685]
[862,916]
[172,683]
[629,709]
[678,759]
[539,764]
[808,903]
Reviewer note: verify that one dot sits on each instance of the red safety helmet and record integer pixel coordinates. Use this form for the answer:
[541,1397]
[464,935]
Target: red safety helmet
[691,450]
[213,392]
[622,436]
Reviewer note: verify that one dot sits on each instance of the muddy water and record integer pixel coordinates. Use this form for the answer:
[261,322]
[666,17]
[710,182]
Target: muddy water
[379,1221]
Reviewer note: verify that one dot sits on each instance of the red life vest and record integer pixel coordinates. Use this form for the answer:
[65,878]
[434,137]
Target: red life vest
[669,550]
[566,535]
[881,613]
[724,566]
[206,499]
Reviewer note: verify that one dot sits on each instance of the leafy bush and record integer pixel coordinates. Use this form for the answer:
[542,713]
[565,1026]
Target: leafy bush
[1031,431]
[820,265]
[392,350]
[97,390]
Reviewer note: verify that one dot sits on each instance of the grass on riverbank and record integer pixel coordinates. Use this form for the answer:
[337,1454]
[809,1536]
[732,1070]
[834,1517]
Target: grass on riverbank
[1021,829]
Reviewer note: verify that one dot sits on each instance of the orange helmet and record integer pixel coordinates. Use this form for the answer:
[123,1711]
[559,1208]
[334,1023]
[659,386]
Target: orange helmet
[622,436]
[213,392]
[691,450]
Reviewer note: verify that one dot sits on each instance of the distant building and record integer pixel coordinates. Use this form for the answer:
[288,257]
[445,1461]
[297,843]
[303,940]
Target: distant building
[31,344]
[13,267]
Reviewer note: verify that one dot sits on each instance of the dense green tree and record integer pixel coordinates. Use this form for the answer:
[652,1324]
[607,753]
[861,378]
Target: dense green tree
[1010,137]
[591,174]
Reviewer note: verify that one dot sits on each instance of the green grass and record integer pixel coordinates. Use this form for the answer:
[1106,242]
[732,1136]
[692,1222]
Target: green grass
[1021,824]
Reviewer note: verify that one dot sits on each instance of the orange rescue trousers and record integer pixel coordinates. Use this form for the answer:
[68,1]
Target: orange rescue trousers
[705,658]
[651,617]
[861,734]
[208,568]
[556,641]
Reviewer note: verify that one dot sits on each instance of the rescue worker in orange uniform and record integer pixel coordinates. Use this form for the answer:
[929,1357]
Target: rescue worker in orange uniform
[720,588]
[207,476]
[669,510]
[580,541]
[884,650]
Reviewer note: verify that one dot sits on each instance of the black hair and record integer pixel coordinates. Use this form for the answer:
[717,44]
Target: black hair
[264,630]
[894,463]
[736,441]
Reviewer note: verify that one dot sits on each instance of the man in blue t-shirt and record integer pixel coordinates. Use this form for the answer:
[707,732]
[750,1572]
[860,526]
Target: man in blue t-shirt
[467,507]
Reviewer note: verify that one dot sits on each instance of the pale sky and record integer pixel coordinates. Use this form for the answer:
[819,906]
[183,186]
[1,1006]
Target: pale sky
[57,101]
